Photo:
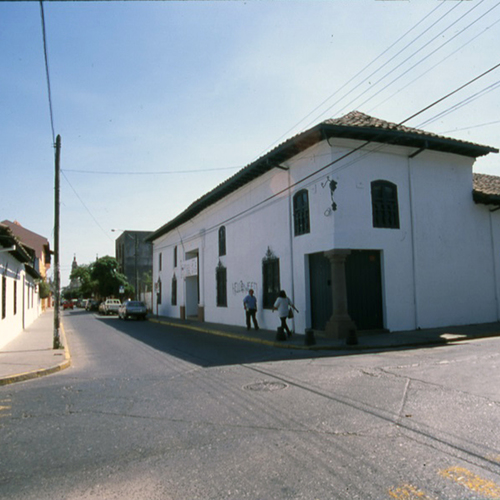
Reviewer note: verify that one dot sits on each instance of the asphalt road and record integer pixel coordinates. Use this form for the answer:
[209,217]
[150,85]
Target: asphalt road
[150,412]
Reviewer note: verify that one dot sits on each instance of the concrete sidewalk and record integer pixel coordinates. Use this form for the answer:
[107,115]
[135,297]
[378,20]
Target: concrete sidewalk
[30,354]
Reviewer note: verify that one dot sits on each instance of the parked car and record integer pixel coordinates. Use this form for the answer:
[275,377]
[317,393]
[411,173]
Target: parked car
[102,308]
[111,306]
[92,305]
[67,304]
[132,309]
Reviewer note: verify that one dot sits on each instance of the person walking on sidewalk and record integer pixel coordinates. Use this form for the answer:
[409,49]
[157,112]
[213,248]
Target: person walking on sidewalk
[284,306]
[250,305]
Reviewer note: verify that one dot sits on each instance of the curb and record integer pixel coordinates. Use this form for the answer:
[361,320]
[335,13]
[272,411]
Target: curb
[345,347]
[41,372]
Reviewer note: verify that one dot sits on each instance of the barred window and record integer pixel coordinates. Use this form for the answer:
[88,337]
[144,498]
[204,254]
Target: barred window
[158,292]
[301,212]
[385,208]
[221,283]
[174,291]
[271,282]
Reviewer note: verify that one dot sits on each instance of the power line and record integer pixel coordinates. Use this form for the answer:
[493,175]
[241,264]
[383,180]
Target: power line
[433,67]
[452,93]
[383,65]
[342,157]
[164,172]
[414,54]
[427,56]
[462,103]
[85,206]
[470,128]
[47,72]
[361,71]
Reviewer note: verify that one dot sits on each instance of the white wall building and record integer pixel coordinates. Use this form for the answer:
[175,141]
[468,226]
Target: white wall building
[20,302]
[364,223]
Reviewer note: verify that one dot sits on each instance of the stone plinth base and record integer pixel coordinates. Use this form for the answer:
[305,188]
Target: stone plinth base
[339,327]
[201,313]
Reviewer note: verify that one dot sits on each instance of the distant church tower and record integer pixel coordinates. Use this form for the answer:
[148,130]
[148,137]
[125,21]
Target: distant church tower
[74,283]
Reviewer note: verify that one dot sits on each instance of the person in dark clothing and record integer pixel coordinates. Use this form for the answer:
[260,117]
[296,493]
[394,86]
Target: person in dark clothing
[250,305]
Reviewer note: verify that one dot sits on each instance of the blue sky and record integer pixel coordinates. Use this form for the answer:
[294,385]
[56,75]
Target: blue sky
[200,88]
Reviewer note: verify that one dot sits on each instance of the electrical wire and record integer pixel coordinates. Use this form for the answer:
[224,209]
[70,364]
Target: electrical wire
[426,57]
[385,64]
[342,157]
[433,67]
[414,54]
[461,104]
[470,128]
[362,71]
[85,206]
[164,172]
[47,72]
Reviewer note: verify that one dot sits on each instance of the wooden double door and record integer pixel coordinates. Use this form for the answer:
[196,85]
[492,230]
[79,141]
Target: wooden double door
[364,289]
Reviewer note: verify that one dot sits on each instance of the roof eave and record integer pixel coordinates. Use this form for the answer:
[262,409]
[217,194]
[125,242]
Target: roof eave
[309,138]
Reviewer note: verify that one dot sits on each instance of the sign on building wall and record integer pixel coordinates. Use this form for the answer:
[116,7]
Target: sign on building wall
[189,267]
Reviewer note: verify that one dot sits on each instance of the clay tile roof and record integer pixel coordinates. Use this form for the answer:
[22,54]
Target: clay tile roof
[29,238]
[486,189]
[355,125]
[438,142]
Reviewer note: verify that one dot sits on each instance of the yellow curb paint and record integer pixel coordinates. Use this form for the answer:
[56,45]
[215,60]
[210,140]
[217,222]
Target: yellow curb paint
[408,492]
[472,482]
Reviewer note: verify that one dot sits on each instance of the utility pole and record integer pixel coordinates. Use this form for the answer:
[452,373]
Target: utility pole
[57,277]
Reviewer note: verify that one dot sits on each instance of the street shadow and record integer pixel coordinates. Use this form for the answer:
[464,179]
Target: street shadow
[205,349]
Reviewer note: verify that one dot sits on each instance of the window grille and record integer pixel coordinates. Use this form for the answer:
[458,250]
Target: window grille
[385,208]
[301,212]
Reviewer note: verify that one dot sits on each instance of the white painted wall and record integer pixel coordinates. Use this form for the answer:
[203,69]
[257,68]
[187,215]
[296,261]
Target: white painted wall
[28,300]
[441,267]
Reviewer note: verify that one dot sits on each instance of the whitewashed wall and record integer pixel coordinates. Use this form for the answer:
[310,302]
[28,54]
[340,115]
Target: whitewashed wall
[440,268]
[28,300]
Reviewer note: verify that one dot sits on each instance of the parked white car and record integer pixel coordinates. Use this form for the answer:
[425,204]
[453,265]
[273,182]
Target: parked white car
[111,306]
[132,309]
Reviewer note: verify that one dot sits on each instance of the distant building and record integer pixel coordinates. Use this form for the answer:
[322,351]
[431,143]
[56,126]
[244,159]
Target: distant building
[135,258]
[74,284]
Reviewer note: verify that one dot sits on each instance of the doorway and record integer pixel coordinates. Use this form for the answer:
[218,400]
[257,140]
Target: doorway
[364,289]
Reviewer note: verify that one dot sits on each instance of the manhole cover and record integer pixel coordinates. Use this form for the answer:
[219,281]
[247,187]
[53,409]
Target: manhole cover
[266,385]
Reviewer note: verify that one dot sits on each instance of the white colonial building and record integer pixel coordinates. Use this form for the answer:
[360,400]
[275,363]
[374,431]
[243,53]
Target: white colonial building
[20,302]
[364,223]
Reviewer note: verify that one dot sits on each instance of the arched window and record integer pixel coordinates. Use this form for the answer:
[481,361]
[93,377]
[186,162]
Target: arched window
[385,208]
[222,241]
[301,212]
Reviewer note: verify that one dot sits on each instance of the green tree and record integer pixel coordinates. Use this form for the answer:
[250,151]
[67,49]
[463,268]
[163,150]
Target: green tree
[83,274]
[44,288]
[108,280]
